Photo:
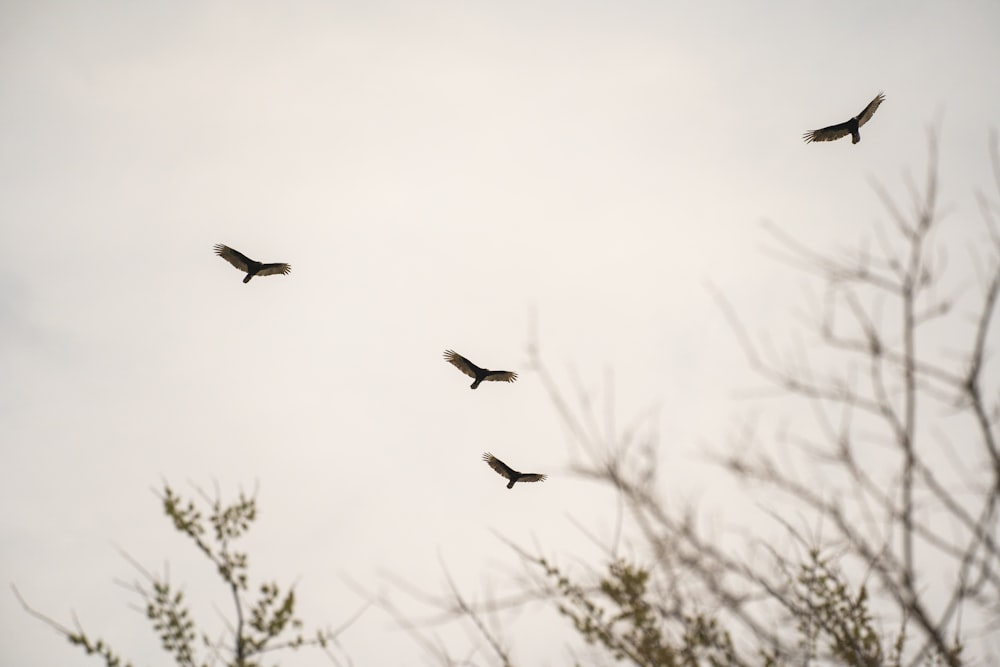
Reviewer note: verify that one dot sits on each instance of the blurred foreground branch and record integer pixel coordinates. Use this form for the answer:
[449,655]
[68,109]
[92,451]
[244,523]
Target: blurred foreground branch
[892,449]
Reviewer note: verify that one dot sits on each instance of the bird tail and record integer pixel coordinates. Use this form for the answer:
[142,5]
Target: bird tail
[475,383]
[247,279]
[855,137]
[510,484]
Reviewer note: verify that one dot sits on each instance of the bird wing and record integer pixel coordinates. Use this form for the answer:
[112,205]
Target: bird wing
[234,257]
[502,468]
[830,133]
[532,477]
[274,269]
[869,110]
[501,376]
[461,363]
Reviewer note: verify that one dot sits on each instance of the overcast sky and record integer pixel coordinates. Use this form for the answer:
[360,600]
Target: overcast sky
[434,172]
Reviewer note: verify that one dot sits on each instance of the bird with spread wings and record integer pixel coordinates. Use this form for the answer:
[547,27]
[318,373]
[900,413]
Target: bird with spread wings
[509,473]
[251,266]
[849,127]
[474,371]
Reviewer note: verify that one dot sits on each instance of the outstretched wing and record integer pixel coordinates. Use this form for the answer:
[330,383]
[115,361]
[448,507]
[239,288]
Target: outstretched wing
[532,477]
[502,468]
[274,269]
[869,110]
[834,132]
[830,133]
[461,363]
[501,376]
[234,257]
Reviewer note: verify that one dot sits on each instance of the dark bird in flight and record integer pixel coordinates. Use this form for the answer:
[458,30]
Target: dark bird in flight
[506,471]
[474,371]
[251,266]
[848,128]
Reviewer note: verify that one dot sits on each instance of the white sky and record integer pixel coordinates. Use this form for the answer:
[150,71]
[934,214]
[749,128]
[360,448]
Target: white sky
[433,172]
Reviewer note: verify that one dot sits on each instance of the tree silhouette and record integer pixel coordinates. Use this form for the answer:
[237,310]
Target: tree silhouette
[899,464]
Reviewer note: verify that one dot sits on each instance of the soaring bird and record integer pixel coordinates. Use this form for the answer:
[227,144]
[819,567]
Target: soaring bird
[848,128]
[251,266]
[474,371]
[506,471]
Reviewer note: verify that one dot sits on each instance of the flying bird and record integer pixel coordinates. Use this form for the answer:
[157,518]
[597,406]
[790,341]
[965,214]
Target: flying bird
[474,371]
[506,471]
[848,128]
[251,266]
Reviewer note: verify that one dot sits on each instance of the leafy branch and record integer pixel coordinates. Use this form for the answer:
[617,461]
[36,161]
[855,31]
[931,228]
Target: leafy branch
[264,623]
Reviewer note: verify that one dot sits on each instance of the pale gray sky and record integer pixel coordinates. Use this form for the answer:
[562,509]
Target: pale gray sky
[433,172]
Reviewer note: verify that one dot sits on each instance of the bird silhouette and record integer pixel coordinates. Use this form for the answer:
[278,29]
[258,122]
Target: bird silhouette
[506,471]
[474,371]
[251,266]
[850,127]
